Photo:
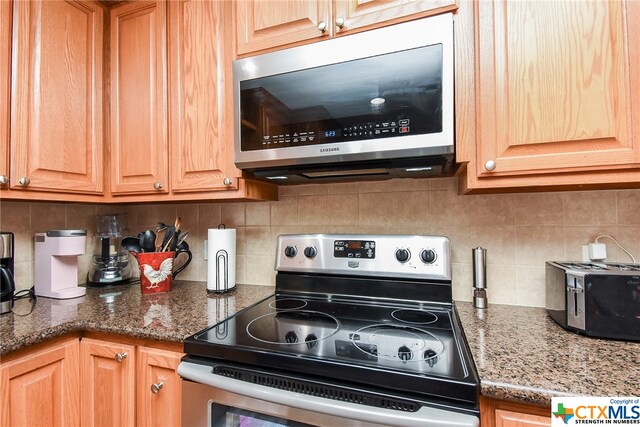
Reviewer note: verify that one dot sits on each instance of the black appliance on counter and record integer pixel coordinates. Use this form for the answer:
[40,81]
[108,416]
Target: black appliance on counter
[595,299]
[7,282]
[361,330]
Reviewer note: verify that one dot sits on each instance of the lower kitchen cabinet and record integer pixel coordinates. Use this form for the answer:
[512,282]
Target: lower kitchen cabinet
[126,384]
[159,388]
[108,383]
[42,388]
[500,413]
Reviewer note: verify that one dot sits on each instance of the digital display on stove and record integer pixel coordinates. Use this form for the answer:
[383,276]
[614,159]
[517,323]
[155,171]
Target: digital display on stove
[354,249]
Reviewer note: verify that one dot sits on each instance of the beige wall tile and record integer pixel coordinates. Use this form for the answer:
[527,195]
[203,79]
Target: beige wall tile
[141,217]
[342,188]
[501,284]
[448,208]
[535,245]
[629,238]
[499,241]
[47,216]
[449,183]
[232,214]
[590,208]
[459,237]
[462,283]
[628,207]
[260,270]
[539,208]
[84,265]
[15,218]
[312,210]
[258,214]
[167,214]
[530,286]
[209,216]
[284,211]
[241,270]
[24,274]
[188,214]
[394,209]
[393,185]
[241,241]
[491,209]
[342,209]
[287,190]
[258,241]
[375,209]
[311,189]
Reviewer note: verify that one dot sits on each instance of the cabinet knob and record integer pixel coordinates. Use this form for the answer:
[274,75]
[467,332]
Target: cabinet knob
[322,26]
[490,165]
[340,22]
[4,179]
[121,356]
[227,182]
[157,186]
[155,388]
[24,181]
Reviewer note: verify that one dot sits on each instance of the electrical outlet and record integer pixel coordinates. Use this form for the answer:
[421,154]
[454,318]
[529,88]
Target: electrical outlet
[206,250]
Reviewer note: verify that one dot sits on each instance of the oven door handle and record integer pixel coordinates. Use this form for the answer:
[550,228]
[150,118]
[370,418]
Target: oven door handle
[424,417]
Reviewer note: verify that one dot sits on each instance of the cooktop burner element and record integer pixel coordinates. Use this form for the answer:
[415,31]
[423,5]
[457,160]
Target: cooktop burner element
[383,323]
[416,317]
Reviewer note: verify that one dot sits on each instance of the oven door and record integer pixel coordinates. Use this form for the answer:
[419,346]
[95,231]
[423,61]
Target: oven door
[212,400]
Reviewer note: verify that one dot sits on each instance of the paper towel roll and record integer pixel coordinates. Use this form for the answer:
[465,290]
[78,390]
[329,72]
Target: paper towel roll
[221,264]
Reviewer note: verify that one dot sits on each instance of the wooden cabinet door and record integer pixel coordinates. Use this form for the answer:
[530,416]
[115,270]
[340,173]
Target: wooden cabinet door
[201,125]
[5,89]
[265,24]
[354,14]
[42,388]
[56,107]
[108,383]
[139,149]
[159,388]
[557,86]
[517,419]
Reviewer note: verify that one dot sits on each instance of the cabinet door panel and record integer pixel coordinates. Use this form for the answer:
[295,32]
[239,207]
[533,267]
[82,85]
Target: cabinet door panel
[42,388]
[361,13]
[264,24]
[139,148]
[5,85]
[554,86]
[56,130]
[164,407]
[201,136]
[108,384]
[517,419]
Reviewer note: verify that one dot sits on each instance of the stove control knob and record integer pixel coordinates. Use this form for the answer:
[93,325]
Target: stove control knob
[311,340]
[404,353]
[430,357]
[310,252]
[290,251]
[403,255]
[428,256]
[291,337]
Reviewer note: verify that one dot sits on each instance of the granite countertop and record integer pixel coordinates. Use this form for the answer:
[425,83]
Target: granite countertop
[122,309]
[520,353]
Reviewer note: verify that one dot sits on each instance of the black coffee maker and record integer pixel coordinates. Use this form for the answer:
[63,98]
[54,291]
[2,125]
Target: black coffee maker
[7,283]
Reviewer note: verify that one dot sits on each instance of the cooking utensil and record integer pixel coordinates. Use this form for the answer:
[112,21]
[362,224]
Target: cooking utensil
[148,241]
[160,238]
[182,237]
[132,244]
[167,237]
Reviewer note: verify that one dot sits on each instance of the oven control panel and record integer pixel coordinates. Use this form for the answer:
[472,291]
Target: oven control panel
[408,256]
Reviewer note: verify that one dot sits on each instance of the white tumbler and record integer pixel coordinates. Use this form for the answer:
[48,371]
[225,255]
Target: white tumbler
[221,264]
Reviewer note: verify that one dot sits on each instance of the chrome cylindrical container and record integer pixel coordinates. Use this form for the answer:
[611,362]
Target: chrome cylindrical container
[479,256]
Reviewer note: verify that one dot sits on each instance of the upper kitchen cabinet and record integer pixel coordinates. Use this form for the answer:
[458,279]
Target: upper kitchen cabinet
[200,98]
[5,89]
[139,140]
[263,25]
[556,102]
[56,140]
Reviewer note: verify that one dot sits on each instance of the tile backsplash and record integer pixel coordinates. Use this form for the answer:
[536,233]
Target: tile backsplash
[520,231]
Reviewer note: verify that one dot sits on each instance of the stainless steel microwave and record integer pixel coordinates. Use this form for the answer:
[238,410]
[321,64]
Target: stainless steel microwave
[377,104]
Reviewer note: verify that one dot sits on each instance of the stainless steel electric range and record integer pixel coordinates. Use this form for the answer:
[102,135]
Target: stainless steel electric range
[361,330]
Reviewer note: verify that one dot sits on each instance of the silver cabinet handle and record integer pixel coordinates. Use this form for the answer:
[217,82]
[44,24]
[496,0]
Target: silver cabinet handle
[155,388]
[157,186]
[24,181]
[340,22]
[227,182]
[490,165]
[4,179]
[322,26]
[121,356]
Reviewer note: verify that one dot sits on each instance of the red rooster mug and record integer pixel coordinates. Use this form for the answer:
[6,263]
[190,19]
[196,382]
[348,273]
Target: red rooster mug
[156,269]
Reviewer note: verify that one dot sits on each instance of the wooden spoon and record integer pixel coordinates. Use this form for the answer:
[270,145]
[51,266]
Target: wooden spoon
[160,238]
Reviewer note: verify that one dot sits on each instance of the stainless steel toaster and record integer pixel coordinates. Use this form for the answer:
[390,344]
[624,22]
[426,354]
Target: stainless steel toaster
[595,299]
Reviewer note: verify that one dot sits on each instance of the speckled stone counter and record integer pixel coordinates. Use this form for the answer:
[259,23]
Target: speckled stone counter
[523,355]
[170,316]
